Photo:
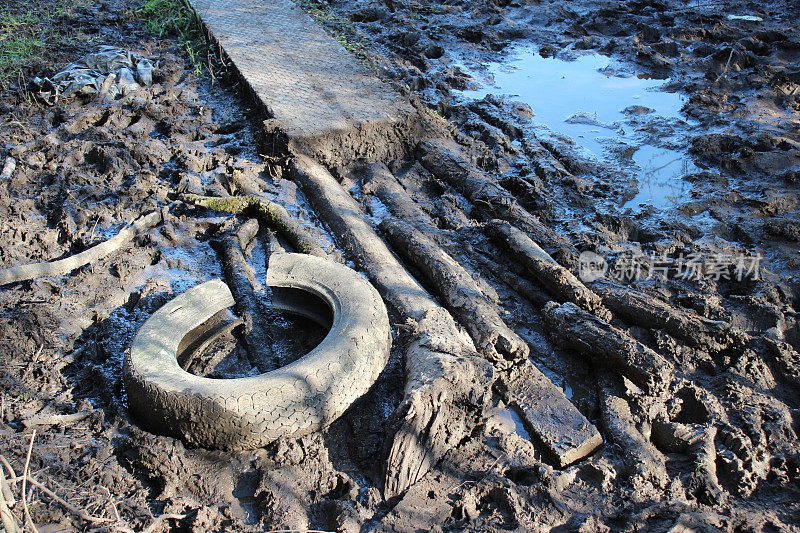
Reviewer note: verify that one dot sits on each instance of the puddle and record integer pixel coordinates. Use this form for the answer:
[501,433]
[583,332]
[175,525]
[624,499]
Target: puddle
[511,420]
[597,103]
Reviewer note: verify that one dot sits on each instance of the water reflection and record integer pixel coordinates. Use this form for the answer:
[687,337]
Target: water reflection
[595,102]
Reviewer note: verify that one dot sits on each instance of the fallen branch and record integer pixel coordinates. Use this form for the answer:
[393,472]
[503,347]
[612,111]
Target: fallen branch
[273,214]
[572,327]
[555,278]
[23,495]
[522,286]
[68,264]
[644,310]
[446,160]
[239,275]
[642,460]
[378,180]
[447,384]
[6,501]
[493,338]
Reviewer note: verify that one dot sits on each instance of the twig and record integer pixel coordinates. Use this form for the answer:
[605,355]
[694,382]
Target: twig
[28,518]
[8,466]
[725,70]
[83,515]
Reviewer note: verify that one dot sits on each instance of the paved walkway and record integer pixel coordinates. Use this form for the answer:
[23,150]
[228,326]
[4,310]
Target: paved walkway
[322,97]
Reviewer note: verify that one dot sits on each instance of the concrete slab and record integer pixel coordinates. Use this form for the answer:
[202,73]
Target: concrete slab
[329,105]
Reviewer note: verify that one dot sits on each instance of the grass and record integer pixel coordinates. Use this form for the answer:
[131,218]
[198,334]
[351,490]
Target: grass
[340,28]
[30,34]
[176,17]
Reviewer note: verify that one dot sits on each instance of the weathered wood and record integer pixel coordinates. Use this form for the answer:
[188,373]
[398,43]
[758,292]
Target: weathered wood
[641,459]
[641,309]
[558,280]
[462,295]
[447,383]
[572,327]
[567,435]
[95,253]
[379,181]
[446,160]
[239,275]
[525,288]
[272,213]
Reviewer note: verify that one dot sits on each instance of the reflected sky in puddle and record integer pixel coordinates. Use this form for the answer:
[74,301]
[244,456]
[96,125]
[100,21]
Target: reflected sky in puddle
[586,99]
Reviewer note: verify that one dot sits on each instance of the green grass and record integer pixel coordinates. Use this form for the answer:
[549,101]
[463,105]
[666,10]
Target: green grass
[176,17]
[340,28]
[30,34]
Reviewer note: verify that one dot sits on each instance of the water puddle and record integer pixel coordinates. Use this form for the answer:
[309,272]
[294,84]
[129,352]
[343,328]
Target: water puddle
[605,109]
[511,420]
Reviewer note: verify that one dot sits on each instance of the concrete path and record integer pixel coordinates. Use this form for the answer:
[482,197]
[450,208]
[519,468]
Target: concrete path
[329,105]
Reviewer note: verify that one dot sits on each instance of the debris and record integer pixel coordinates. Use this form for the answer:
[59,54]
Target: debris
[447,383]
[641,458]
[445,159]
[746,18]
[294,400]
[564,431]
[557,279]
[55,420]
[249,307]
[645,310]
[8,168]
[110,71]
[572,327]
[66,265]
[273,214]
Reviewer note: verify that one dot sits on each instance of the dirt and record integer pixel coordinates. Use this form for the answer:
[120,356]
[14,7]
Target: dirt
[718,452]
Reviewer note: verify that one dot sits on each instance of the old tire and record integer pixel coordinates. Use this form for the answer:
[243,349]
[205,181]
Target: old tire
[300,398]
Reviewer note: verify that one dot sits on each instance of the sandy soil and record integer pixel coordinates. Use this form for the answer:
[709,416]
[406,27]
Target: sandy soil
[86,166]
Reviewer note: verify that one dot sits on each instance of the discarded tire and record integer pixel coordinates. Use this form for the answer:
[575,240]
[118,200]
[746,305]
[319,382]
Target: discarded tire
[300,398]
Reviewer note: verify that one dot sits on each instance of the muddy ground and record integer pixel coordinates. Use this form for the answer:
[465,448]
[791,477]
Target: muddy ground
[87,165]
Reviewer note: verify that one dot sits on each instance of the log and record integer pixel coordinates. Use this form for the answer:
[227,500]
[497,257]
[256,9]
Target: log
[566,434]
[571,327]
[379,181]
[544,162]
[522,286]
[239,276]
[641,459]
[272,213]
[447,384]
[462,295]
[641,309]
[95,253]
[555,278]
[446,160]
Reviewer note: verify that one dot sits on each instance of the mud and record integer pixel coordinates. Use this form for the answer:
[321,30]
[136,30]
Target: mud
[717,451]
